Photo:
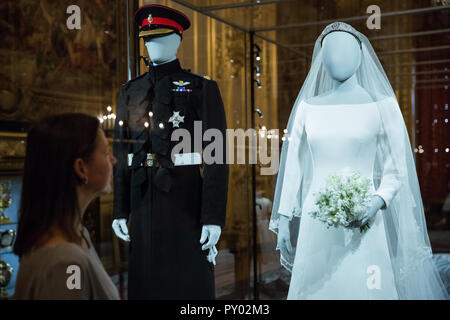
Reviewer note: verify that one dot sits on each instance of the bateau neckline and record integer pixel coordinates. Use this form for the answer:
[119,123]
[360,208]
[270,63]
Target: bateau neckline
[345,104]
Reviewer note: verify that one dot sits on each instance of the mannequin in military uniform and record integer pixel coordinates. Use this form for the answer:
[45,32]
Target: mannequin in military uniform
[176,208]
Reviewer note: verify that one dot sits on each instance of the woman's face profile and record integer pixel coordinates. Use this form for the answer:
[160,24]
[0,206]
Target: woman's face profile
[100,166]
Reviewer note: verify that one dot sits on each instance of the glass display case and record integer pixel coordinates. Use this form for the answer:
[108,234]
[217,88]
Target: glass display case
[259,53]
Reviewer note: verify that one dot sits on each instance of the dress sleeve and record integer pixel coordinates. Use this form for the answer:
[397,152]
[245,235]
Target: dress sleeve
[289,203]
[390,180]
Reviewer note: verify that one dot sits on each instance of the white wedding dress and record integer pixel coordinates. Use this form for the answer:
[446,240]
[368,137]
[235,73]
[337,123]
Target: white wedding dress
[393,259]
[342,263]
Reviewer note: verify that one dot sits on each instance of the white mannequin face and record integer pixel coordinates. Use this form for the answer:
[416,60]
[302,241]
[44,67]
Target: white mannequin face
[163,49]
[341,55]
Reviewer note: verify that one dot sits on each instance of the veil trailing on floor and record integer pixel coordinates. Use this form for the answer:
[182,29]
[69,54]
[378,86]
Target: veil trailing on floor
[415,274]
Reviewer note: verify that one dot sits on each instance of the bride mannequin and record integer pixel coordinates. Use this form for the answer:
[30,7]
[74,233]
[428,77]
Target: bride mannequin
[347,116]
[341,58]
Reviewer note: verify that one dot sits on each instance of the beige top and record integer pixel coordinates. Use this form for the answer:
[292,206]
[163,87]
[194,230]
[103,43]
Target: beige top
[44,273]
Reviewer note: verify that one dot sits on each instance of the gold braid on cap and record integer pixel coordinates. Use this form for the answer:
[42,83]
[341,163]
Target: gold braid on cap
[339,26]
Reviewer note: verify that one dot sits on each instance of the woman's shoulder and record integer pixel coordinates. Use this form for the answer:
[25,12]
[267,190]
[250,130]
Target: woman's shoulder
[66,253]
[47,272]
[59,252]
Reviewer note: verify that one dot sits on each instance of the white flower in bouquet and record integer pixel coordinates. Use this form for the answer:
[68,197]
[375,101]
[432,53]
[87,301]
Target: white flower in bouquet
[344,199]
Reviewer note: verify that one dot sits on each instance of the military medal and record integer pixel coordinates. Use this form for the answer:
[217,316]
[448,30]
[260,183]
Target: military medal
[181,86]
[176,119]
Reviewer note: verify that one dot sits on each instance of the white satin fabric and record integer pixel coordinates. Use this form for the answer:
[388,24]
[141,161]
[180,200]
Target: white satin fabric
[341,263]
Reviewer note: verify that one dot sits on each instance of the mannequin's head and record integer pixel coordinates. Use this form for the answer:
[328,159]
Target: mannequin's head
[163,49]
[341,55]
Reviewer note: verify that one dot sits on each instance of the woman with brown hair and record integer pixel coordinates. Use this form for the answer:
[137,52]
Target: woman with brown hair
[68,164]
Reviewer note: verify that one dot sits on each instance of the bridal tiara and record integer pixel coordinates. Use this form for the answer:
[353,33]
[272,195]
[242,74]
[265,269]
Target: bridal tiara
[339,26]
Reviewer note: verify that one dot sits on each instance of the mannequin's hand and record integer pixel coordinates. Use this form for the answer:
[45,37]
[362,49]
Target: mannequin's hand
[120,229]
[376,203]
[212,255]
[212,233]
[284,237]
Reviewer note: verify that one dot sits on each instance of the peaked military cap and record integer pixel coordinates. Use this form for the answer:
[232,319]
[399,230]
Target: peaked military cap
[156,20]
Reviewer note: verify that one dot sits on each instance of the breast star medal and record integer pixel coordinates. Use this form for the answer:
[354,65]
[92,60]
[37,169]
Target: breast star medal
[176,119]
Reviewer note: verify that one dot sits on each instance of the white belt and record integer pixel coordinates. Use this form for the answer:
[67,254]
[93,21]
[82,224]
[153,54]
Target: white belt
[181,159]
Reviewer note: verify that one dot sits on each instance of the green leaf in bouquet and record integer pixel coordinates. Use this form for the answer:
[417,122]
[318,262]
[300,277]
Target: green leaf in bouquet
[364,228]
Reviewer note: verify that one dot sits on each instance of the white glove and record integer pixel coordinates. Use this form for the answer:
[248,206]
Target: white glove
[376,203]
[212,255]
[284,237]
[212,232]
[120,229]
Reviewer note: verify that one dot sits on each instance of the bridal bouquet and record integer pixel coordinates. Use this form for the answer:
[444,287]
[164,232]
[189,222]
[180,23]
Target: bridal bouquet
[343,200]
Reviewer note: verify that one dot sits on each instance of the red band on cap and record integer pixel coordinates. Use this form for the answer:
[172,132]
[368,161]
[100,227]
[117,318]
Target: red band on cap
[163,21]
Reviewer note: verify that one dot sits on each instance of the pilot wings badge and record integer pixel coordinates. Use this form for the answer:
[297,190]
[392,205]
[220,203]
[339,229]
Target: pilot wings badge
[181,86]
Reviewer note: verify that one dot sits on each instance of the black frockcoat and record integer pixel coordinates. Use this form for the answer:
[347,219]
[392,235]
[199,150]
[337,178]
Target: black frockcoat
[167,205]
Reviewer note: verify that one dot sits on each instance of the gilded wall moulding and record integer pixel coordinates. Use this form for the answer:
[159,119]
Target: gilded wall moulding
[12,153]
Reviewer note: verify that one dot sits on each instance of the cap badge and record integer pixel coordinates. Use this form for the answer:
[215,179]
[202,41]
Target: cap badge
[150,18]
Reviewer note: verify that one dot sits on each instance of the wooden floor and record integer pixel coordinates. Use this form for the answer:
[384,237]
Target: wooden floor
[273,279]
